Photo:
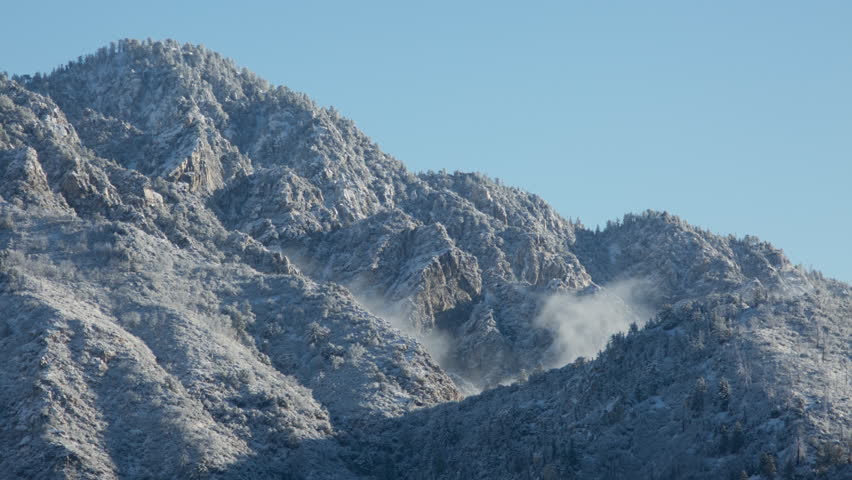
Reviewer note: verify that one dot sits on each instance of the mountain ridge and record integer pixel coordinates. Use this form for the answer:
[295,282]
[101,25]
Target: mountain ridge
[273,295]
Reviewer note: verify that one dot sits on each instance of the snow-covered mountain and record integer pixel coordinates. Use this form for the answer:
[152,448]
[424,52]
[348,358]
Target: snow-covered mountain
[203,275]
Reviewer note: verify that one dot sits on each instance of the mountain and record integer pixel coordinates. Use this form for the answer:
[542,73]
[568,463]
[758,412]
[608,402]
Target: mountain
[206,276]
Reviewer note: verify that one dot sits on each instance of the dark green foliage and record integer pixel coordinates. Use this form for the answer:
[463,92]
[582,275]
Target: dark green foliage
[789,470]
[696,401]
[723,394]
[572,458]
[737,438]
[767,465]
[830,455]
[724,440]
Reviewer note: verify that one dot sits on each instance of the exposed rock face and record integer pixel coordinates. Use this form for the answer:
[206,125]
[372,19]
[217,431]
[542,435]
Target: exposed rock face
[298,178]
[206,276]
[685,261]
[25,180]
[149,326]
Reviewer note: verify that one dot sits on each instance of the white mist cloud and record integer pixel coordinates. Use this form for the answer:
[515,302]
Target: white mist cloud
[437,343]
[582,324]
[440,345]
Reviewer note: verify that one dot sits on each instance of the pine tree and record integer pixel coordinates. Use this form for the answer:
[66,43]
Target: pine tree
[697,400]
[572,458]
[724,394]
[724,440]
[737,438]
[767,465]
[789,470]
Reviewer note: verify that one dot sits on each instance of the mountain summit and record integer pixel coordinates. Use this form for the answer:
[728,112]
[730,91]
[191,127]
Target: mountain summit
[206,276]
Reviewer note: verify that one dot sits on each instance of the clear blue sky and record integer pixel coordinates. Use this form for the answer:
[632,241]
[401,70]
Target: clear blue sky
[736,115]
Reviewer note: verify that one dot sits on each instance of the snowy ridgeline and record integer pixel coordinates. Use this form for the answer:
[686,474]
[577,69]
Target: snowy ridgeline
[206,276]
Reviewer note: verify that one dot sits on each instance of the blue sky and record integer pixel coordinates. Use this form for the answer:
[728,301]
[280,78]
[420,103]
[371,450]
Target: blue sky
[735,115]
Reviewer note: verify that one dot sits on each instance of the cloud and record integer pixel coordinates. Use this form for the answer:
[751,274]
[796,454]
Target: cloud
[440,345]
[582,324]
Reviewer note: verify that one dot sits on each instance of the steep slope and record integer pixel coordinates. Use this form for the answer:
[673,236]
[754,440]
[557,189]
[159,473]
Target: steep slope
[298,177]
[304,181]
[204,275]
[137,321]
[709,389]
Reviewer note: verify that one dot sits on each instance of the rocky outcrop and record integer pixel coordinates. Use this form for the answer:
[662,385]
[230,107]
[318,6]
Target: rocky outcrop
[25,180]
